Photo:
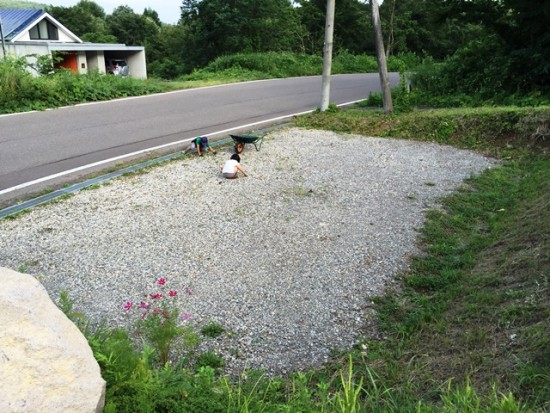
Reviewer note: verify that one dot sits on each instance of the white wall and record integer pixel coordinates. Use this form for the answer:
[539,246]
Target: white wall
[82,63]
[96,61]
[138,67]
[63,37]
[27,51]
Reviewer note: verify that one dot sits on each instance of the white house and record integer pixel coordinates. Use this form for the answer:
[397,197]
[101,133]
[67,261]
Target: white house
[34,32]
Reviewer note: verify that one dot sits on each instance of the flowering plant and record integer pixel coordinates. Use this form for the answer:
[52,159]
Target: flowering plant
[159,319]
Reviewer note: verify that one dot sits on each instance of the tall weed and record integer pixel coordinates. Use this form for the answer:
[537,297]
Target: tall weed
[268,64]
[20,91]
[285,64]
[465,80]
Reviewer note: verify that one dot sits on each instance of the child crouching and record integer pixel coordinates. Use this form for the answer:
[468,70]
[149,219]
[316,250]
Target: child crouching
[232,167]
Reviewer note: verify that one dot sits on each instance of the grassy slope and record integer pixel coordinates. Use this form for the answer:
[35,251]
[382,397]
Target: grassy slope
[476,307]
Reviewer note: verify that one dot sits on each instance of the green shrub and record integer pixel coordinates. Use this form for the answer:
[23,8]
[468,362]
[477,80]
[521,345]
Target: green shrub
[209,359]
[270,64]
[21,91]
[164,69]
[345,62]
[285,64]
[212,329]
[18,90]
[464,79]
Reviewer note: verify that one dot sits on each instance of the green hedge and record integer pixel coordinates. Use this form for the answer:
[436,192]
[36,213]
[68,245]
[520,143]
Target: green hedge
[20,91]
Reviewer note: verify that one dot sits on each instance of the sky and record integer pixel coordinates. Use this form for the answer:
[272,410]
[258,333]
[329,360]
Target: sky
[168,10]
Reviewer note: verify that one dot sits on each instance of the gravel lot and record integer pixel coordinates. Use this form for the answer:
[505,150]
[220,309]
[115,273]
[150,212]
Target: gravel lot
[286,260]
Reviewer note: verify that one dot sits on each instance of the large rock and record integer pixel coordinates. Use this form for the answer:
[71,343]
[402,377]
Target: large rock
[46,364]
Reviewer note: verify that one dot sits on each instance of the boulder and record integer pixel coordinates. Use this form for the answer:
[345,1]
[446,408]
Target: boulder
[46,364]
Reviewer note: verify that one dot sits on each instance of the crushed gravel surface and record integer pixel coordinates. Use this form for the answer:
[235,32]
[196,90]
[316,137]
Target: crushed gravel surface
[286,260]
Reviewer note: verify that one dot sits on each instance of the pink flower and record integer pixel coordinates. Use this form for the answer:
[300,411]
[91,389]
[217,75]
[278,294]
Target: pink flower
[161,281]
[143,315]
[186,316]
[128,305]
[187,291]
[144,305]
[173,293]
[156,296]
[157,311]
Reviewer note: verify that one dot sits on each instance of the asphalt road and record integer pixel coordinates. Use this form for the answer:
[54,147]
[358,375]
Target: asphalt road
[41,150]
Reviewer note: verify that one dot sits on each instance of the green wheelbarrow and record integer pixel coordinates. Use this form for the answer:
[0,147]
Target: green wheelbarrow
[241,140]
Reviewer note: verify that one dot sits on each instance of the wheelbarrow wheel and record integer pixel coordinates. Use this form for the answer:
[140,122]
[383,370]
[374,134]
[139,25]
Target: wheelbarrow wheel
[239,147]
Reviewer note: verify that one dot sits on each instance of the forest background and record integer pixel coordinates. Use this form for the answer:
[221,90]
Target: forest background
[480,51]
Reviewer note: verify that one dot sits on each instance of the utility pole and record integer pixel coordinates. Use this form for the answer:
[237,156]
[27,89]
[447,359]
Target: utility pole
[381,57]
[3,41]
[327,55]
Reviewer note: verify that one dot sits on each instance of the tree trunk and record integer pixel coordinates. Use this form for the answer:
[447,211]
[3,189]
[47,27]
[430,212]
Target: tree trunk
[327,55]
[391,38]
[381,57]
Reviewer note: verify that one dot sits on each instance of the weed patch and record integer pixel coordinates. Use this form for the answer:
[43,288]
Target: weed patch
[500,132]
[212,330]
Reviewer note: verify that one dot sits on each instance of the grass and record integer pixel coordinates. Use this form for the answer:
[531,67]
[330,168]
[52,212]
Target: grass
[500,132]
[209,359]
[462,288]
[212,330]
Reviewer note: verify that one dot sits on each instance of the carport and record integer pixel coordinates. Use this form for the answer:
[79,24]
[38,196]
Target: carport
[93,56]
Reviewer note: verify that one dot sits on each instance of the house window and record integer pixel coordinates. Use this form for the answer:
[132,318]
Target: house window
[44,30]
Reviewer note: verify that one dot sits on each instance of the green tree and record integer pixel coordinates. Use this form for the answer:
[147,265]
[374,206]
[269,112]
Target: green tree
[127,26]
[165,51]
[423,28]
[189,10]
[352,26]
[150,14]
[86,19]
[175,60]
[518,32]
[217,27]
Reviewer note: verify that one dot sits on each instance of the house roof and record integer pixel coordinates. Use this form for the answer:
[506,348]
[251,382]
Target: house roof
[14,21]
